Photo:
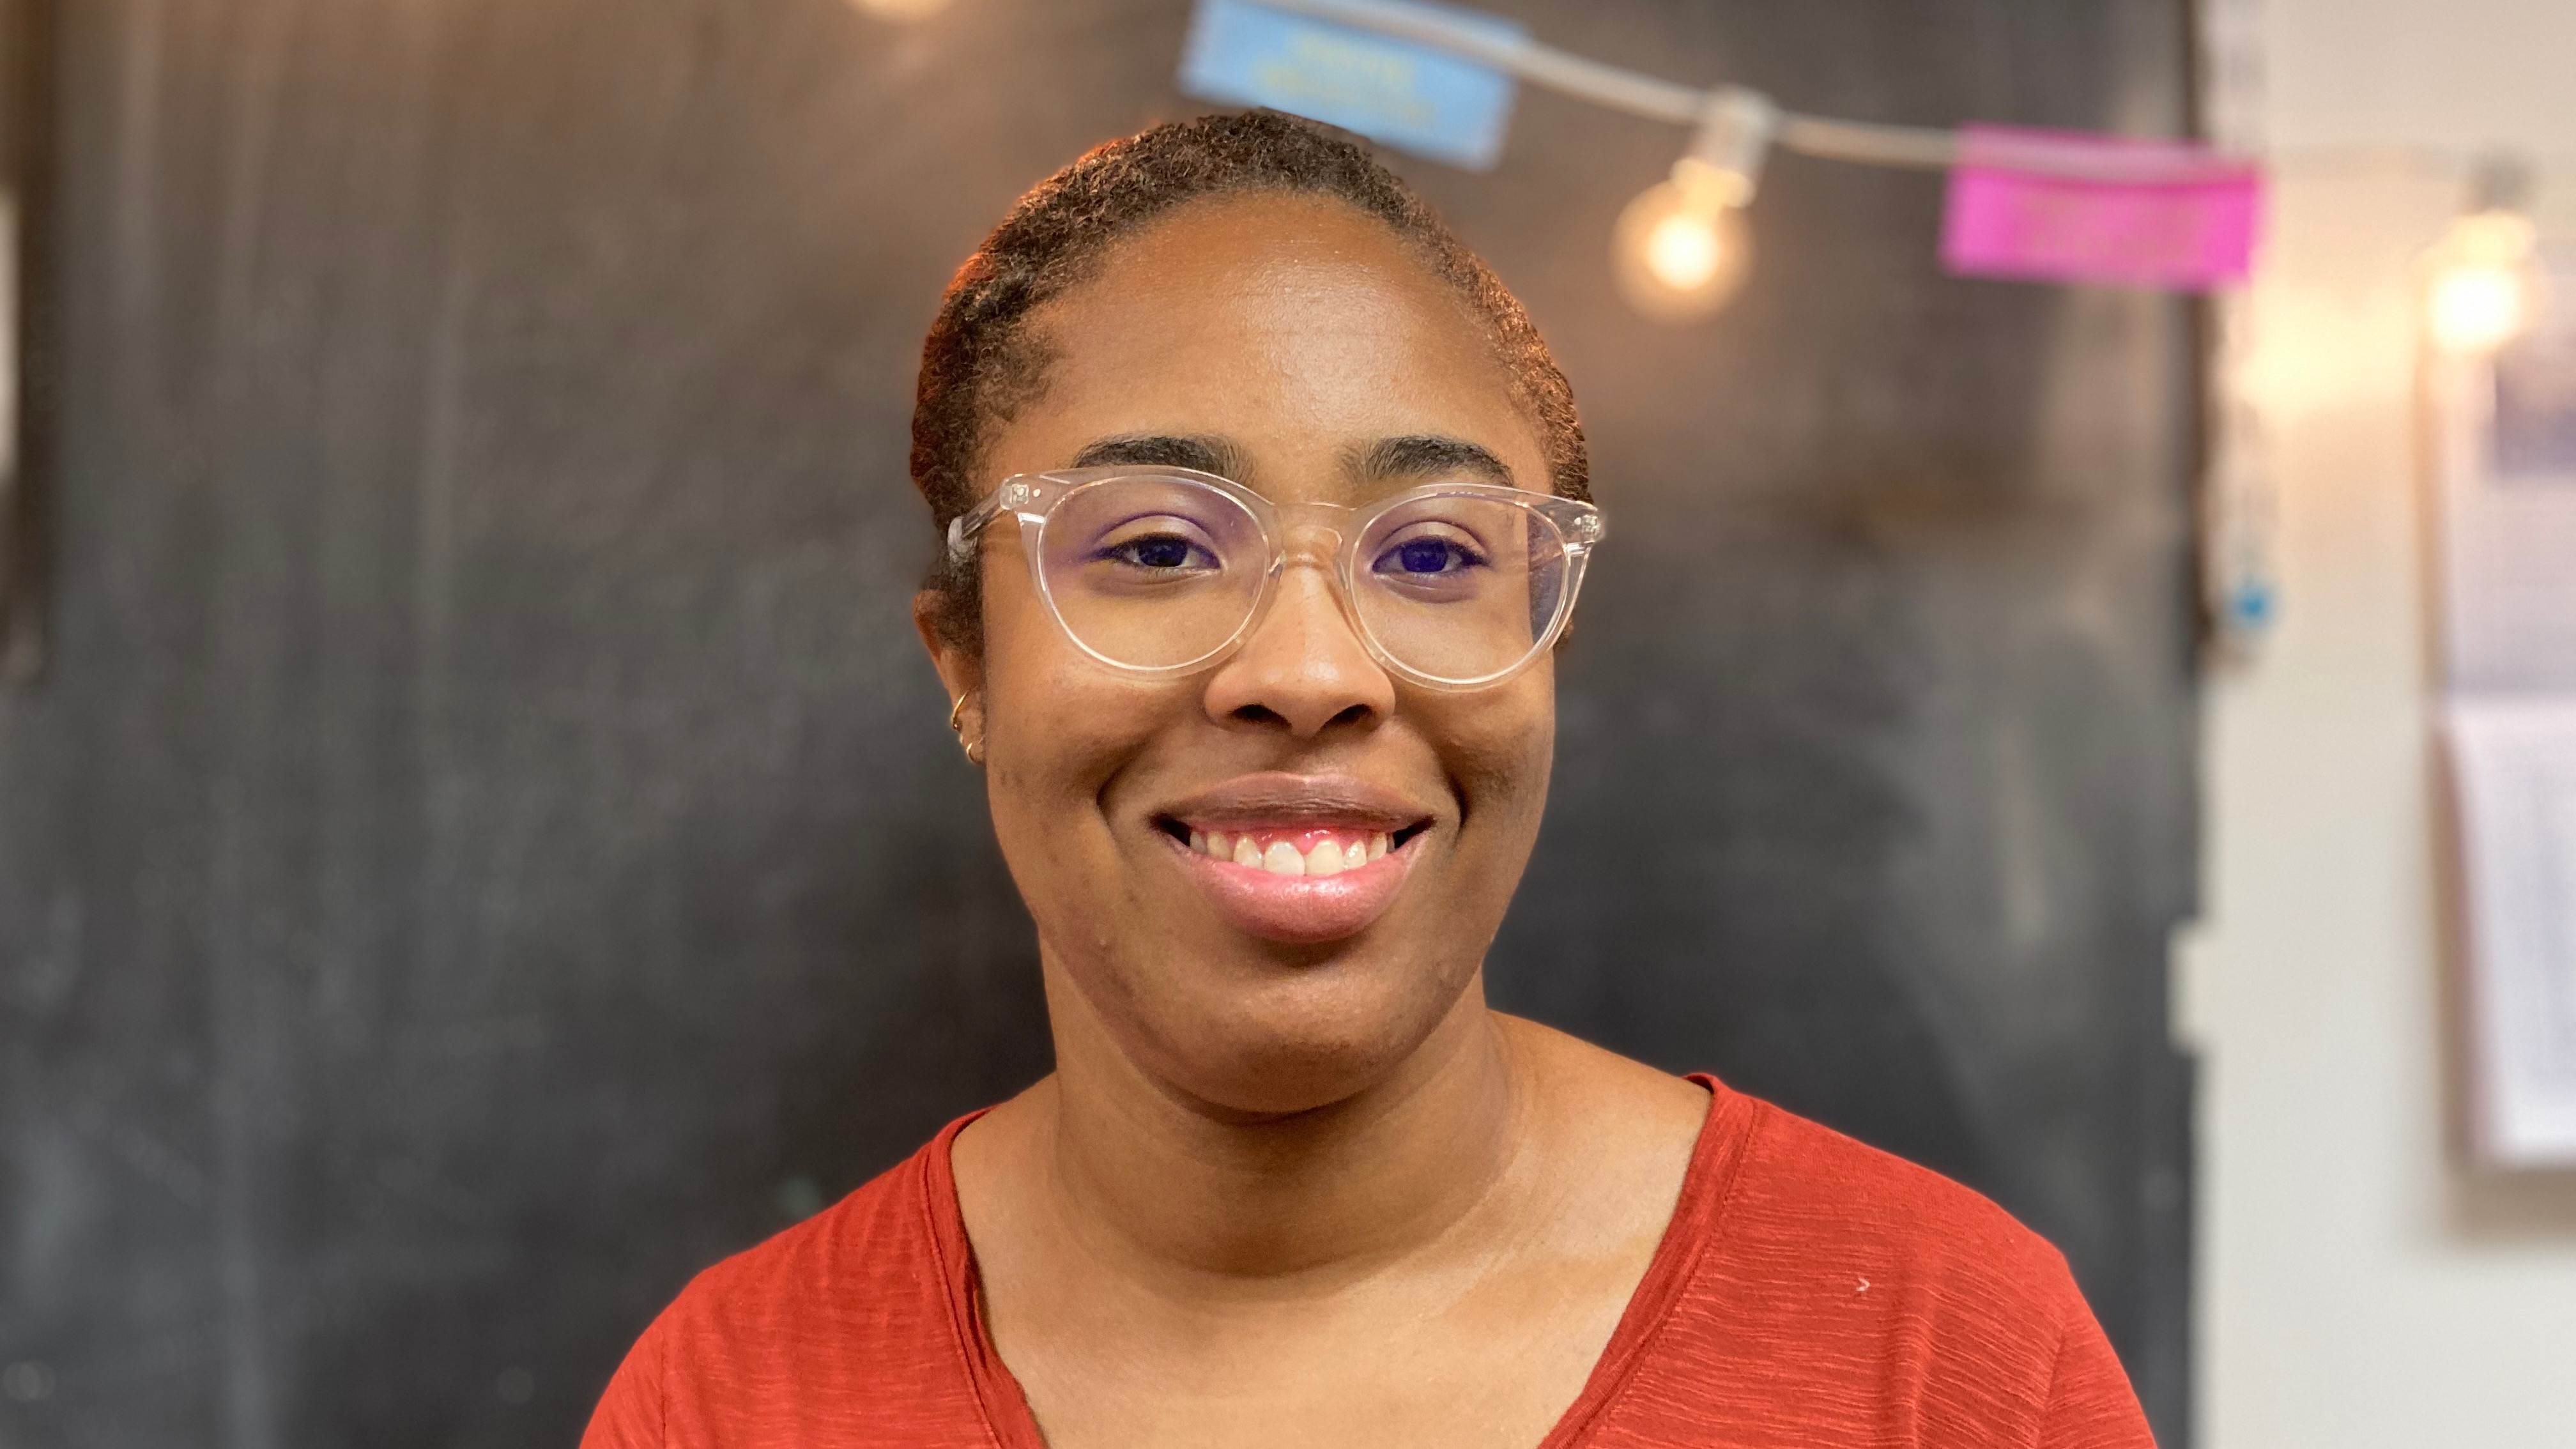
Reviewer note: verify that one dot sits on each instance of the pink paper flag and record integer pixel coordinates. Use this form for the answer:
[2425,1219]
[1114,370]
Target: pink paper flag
[2072,207]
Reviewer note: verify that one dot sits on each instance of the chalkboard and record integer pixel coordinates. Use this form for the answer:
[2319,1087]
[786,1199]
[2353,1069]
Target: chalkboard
[486,844]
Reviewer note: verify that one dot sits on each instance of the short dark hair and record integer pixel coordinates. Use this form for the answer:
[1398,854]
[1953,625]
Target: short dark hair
[979,362]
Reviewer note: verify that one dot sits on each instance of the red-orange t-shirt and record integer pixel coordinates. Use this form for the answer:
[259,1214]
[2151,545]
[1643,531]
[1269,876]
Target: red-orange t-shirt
[1810,1292]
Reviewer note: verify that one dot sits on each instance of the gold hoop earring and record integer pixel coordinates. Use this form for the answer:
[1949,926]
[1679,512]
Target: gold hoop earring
[957,727]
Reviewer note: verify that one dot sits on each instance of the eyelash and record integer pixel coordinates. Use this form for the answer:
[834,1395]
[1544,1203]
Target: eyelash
[1463,556]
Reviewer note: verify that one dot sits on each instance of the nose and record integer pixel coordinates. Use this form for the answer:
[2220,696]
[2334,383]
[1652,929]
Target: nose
[1303,669]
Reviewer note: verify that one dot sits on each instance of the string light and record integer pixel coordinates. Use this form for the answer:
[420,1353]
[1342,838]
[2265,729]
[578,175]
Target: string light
[2487,284]
[1681,250]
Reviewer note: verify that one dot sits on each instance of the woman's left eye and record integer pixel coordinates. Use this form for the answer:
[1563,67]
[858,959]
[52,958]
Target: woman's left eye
[1427,556]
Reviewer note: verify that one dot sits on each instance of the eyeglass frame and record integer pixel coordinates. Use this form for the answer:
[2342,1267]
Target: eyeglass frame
[1034,497]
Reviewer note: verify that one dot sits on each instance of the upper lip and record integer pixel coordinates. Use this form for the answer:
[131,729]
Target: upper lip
[1276,799]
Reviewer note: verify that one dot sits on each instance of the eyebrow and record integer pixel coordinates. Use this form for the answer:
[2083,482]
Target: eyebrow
[1425,456]
[1412,457]
[1164,450]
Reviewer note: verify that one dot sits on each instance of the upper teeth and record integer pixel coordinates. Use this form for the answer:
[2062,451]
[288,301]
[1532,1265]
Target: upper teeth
[1330,856]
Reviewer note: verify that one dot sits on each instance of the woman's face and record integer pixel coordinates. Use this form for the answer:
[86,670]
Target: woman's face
[1293,345]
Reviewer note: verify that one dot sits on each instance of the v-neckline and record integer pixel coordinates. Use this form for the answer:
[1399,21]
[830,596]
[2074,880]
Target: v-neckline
[1715,1155]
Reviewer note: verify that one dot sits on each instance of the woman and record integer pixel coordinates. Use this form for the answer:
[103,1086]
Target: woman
[1264,507]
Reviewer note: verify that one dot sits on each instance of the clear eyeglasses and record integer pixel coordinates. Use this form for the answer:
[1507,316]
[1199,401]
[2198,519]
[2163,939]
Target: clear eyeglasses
[1452,586]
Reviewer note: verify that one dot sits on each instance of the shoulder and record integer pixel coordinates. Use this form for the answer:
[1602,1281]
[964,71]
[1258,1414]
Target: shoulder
[1841,1293]
[1806,1193]
[842,1322]
[874,1246]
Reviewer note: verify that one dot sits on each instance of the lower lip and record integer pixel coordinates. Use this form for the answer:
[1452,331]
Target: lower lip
[1303,910]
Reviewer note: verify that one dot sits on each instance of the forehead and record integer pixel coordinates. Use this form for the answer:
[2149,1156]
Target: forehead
[1293,327]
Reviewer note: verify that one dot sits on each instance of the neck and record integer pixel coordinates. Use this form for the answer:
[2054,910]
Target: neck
[1145,1173]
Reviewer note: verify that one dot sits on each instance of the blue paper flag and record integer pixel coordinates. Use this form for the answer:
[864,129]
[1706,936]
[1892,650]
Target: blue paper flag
[1403,93]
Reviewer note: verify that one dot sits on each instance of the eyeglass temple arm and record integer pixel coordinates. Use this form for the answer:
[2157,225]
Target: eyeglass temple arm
[1014,495]
[1582,523]
[963,528]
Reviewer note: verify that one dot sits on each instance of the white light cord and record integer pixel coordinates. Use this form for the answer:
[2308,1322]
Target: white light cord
[1866,142]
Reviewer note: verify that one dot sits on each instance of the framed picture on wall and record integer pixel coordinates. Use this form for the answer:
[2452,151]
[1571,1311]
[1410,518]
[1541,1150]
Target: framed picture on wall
[2505,513]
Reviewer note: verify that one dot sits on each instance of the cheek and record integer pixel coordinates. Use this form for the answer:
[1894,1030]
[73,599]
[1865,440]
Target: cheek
[1499,748]
[1058,727]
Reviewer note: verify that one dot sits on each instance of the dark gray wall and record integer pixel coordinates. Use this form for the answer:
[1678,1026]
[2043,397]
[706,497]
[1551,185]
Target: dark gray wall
[487,844]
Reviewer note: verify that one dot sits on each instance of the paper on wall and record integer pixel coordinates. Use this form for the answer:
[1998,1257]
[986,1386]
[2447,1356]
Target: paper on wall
[1415,96]
[2155,213]
[2513,764]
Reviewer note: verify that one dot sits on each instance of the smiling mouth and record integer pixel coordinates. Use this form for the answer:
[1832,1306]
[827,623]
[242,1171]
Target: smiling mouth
[1298,859]
[1293,850]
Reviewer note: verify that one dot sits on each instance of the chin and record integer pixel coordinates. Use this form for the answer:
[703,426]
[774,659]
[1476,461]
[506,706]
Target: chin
[1325,1035]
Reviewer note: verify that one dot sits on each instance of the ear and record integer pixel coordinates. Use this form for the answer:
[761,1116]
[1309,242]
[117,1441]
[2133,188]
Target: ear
[960,673]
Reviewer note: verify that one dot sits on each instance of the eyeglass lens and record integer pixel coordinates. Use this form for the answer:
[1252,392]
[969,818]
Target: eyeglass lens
[1153,572]
[1156,573]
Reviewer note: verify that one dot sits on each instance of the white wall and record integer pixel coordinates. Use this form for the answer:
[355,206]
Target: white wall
[2357,1288]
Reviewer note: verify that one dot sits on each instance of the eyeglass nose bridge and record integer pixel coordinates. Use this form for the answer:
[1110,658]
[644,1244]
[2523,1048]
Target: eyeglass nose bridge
[1309,535]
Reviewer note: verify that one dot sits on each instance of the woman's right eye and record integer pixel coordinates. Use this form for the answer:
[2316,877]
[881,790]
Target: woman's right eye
[1160,552]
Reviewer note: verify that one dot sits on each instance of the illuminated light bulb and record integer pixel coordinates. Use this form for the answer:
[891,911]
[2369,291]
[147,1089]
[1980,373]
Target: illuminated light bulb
[900,10]
[1684,252]
[1681,250]
[2479,309]
[2486,284]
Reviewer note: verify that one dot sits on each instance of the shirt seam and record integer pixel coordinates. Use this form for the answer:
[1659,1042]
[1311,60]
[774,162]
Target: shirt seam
[2056,1368]
[662,1390]
[1708,1240]
[962,1337]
